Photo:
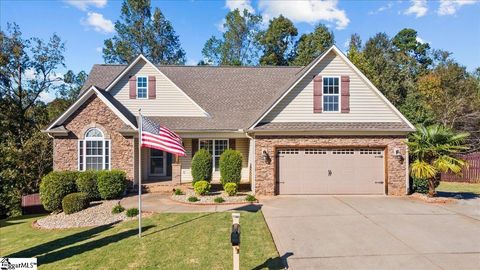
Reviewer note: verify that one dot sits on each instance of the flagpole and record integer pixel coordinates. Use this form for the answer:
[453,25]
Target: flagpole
[140,174]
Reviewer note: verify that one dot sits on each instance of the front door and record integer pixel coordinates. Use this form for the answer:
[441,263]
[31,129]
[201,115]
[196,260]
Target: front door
[158,163]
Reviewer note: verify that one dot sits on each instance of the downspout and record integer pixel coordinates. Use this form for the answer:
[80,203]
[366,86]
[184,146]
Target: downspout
[252,139]
[407,169]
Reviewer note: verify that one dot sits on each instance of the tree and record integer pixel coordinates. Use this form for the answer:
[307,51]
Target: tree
[238,45]
[27,69]
[311,45]
[357,56]
[434,150]
[411,51]
[138,32]
[277,42]
[71,86]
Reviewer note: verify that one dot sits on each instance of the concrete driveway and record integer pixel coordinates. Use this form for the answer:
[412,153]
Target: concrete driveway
[374,232]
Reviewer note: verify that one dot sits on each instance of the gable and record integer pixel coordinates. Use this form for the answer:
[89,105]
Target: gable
[107,99]
[366,103]
[169,101]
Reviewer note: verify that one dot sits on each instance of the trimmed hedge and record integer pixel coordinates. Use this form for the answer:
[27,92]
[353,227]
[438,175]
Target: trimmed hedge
[87,182]
[202,166]
[230,189]
[231,166]
[54,187]
[421,185]
[75,202]
[111,184]
[201,187]
[132,212]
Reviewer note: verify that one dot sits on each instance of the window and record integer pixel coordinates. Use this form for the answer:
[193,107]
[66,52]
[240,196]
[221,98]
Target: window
[331,96]
[142,87]
[157,162]
[215,148]
[93,151]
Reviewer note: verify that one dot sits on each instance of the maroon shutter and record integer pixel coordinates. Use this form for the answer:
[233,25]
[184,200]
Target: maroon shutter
[317,94]
[231,143]
[133,87]
[194,146]
[151,87]
[345,94]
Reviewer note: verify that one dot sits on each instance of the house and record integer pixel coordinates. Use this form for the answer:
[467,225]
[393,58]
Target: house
[319,129]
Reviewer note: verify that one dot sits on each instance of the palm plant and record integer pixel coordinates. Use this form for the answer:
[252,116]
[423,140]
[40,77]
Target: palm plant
[434,149]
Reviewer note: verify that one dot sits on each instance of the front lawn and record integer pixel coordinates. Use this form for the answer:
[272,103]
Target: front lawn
[456,187]
[171,241]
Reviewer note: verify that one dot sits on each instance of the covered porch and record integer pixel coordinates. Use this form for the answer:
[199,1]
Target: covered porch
[159,167]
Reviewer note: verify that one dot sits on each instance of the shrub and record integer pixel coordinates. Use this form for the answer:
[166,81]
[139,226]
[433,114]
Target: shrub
[250,198]
[54,186]
[201,187]
[193,199]
[218,200]
[230,166]
[87,182]
[132,212]
[230,189]
[421,185]
[201,166]
[117,209]
[111,184]
[75,202]
[178,192]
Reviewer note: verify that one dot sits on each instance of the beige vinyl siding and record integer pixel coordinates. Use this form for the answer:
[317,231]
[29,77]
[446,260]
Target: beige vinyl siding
[186,161]
[170,101]
[365,104]
[241,145]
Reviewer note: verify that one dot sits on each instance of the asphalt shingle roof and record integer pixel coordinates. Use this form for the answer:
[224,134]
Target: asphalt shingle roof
[234,97]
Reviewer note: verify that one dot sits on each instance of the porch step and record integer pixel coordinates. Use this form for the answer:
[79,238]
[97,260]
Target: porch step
[157,187]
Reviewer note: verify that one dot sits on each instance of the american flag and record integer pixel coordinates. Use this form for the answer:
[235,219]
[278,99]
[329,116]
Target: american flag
[160,137]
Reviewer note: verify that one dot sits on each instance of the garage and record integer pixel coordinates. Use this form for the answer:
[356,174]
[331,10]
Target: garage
[331,171]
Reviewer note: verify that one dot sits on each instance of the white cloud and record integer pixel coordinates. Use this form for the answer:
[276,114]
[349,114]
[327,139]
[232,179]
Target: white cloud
[84,4]
[418,8]
[191,62]
[98,22]
[450,7]
[46,97]
[99,49]
[421,40]
[220,26]
[309,11]
[240,4]
[388,6]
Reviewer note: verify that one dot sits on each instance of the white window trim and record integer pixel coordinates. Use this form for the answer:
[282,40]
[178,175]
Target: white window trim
[213,149]
[84,151]
[164,173]
[136,87]
[339,95]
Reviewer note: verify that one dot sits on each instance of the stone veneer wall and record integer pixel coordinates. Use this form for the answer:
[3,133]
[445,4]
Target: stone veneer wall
[265,173]
[94,113]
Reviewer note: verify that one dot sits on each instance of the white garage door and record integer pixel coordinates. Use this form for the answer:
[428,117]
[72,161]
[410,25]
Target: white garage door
[330,171]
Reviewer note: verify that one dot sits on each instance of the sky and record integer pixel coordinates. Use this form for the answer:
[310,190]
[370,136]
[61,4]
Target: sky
[85,24]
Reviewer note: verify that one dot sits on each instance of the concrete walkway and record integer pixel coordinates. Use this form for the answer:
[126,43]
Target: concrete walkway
[161,203]
[374,232]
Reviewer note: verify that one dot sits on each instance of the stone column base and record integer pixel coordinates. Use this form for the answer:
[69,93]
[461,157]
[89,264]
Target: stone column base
[176,173]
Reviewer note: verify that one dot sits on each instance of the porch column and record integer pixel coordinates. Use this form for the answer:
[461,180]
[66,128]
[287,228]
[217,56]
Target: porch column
[176,171]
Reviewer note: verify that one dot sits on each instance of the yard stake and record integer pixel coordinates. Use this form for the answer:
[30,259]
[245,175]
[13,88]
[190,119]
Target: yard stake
[140,175]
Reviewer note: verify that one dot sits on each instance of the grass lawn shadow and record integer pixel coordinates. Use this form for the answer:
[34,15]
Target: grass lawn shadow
[179,224]
[61,242]
[88,246]
[458,195]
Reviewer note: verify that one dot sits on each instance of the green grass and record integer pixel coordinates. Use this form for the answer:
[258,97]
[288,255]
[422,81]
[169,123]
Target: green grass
[459,187]
[170,241]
